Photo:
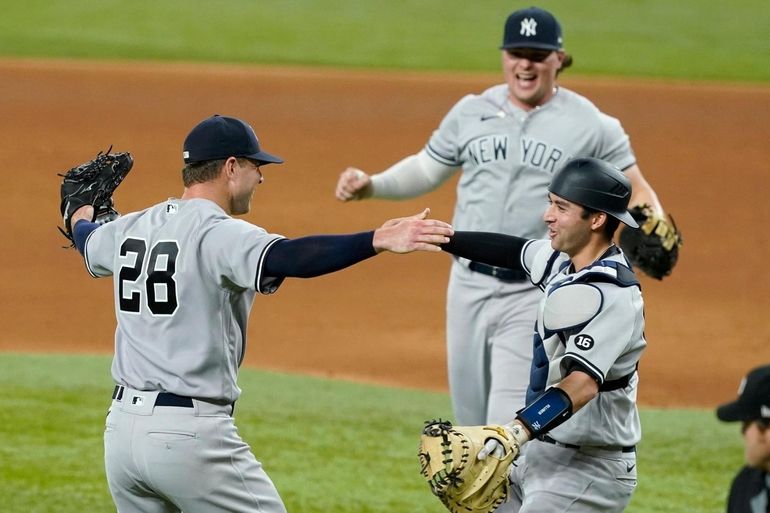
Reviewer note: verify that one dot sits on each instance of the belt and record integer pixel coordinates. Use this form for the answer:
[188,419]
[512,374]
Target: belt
[548,439]
[501,273]
[162,399]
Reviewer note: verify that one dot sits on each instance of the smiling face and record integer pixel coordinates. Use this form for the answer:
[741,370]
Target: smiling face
[568,230]
[531,75]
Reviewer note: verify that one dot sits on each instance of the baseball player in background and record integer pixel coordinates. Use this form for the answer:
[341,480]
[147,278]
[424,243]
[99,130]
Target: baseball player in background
[185,276]
[750,489]
[580,427]
[506,142]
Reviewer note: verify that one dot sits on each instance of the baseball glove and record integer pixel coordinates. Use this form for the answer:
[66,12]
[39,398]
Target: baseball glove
[92,183]
[463,483]
[654,247]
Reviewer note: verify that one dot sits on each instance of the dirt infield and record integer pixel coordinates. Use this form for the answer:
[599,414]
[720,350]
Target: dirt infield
[704,148]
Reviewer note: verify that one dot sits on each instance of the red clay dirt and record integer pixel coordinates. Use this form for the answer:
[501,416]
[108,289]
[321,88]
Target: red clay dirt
[703,147]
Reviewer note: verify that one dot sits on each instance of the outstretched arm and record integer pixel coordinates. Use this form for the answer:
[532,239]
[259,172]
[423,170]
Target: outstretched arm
[315,255]
[489,248]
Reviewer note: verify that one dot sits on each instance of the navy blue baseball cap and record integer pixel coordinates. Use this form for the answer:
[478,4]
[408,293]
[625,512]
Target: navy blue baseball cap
[753,401]
[220,137]
[532,28]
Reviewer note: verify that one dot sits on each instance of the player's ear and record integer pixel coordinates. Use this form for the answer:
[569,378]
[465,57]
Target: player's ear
[228,168]
[598,220]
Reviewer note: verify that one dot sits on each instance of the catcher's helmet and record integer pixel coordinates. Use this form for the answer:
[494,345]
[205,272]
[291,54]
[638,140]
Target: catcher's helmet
[595,184]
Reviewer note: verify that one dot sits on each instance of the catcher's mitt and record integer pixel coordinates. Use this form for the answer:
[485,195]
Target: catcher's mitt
[462,482]
[92,183]
[654,247]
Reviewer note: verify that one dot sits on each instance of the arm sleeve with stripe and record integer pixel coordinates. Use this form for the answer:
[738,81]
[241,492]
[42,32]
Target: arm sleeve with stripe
[315,255]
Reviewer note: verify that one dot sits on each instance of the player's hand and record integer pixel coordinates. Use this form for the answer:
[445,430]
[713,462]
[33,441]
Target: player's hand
[414,233]
[353,184]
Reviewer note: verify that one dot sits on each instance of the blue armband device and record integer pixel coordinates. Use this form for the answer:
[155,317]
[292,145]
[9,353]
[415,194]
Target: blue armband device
[550,409]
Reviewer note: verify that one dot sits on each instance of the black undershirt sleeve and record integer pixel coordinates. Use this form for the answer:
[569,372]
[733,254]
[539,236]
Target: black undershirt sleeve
[315,255]
[488,248]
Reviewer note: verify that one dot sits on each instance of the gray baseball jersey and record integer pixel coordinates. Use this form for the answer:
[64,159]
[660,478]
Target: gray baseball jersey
[185,277]
[593,318]
[507,156]
[181,249]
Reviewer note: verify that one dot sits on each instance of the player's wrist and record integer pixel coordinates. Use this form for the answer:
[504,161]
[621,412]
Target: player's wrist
[518,432]
[86,212]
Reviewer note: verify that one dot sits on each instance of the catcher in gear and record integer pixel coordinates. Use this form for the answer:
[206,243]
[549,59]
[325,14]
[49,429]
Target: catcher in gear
[467,466]
[654,247]
[580,423]
[93,183]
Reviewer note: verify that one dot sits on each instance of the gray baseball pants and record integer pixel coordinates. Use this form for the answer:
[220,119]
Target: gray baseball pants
[164,459]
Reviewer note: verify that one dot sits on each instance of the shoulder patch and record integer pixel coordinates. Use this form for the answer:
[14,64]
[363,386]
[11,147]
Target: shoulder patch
[571,306]
[584,342]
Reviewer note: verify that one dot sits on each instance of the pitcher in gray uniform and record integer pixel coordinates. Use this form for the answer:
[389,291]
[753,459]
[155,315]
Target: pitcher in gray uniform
[580,427]
[185,276]
[506,142]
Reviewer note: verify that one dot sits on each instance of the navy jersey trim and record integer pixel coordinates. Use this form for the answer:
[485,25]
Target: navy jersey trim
[443,159]
[260,265]
[587,367]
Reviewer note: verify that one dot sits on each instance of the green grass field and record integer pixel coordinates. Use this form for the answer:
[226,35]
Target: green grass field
[333,446]
[329,446]
[690,39]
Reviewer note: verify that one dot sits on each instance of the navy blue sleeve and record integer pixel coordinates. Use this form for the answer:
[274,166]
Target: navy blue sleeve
[486,247]
[315,255]
[81,232]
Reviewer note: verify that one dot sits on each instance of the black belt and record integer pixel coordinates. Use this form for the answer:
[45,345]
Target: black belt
[163,398]
[548,439]
[501,273]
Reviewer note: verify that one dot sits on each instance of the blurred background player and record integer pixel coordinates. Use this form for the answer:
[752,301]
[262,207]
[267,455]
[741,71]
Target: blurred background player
[750,490]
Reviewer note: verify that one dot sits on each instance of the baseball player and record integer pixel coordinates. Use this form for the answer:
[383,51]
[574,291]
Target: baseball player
[581,423]
[506,142]
[185,276]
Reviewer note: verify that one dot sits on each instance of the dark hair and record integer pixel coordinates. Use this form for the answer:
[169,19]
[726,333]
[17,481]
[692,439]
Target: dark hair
[610,225]
[566,63]
[200,172]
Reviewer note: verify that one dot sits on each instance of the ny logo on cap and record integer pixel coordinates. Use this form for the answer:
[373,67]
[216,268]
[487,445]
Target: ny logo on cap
[528,26]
